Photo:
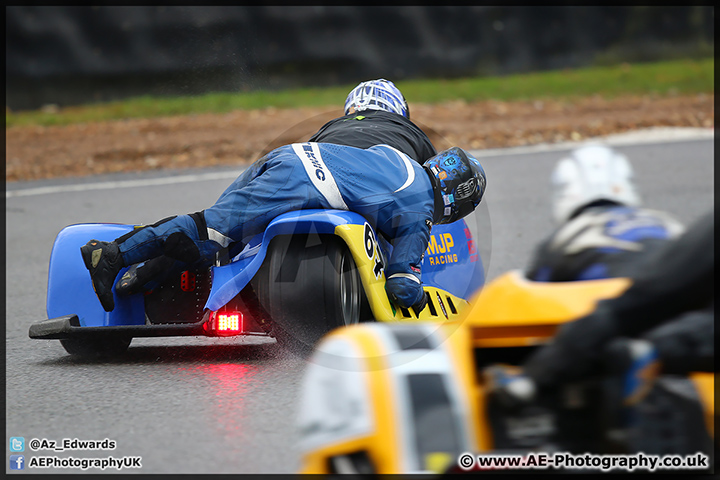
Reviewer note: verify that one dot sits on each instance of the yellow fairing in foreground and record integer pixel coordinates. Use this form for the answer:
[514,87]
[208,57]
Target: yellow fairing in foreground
[705,384]
[368,258]
[460,349]
[510,311]
[513,311]
[381,442]
[386,367]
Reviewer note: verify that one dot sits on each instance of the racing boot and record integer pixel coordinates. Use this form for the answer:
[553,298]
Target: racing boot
[129,283]
[509,386]
[104,261]
[138,276]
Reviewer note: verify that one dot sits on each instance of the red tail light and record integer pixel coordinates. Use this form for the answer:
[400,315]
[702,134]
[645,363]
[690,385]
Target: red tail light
[229,322]
[225,323]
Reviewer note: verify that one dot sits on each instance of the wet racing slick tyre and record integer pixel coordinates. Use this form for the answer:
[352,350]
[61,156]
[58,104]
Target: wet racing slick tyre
[97,346]
[309,285]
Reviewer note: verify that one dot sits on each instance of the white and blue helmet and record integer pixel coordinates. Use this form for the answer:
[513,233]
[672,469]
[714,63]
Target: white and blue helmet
[377,94]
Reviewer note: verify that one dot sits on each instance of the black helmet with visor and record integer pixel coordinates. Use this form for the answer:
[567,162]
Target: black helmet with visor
[458,181]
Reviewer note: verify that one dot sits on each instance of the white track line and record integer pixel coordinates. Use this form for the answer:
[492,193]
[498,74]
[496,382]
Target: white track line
[82,187]
[636,137]
[651,135]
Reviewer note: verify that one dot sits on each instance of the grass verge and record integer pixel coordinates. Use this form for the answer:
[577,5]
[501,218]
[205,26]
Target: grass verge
[661,78]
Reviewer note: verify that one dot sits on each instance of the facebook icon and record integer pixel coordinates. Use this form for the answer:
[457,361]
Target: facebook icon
[17,462]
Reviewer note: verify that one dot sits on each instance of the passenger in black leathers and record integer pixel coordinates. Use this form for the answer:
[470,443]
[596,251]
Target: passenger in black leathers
[363,129]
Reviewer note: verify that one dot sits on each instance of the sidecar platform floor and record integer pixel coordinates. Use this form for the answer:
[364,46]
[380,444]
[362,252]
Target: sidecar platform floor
[68,326]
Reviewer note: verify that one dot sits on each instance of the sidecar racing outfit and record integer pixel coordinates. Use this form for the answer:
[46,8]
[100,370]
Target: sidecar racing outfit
[392,191]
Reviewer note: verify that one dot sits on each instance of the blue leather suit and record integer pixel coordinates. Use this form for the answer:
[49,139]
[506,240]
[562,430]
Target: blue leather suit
[392,191]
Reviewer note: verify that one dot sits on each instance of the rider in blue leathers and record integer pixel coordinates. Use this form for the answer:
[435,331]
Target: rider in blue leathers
[399,197]
[376,113]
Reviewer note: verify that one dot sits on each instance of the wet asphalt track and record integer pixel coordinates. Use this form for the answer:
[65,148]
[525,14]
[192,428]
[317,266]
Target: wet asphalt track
[198,405]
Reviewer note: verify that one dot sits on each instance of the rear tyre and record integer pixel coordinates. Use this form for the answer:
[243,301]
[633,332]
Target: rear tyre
[104,346]
[309,285]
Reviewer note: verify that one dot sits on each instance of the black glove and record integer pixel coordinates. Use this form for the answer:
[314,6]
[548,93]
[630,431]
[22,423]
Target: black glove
[420,304]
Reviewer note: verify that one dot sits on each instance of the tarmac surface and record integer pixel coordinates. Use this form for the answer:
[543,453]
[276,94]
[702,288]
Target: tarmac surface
[201,405]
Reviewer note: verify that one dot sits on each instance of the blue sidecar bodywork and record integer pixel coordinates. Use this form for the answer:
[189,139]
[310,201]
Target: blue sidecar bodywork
[452,267]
